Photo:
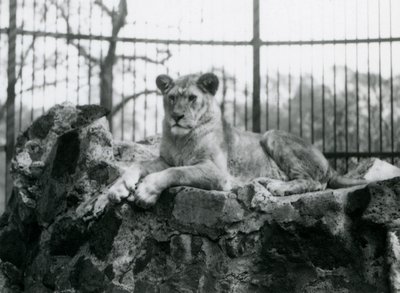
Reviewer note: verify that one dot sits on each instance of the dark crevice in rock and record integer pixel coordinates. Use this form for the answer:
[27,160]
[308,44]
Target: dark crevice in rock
[86,278]
[357,203]
[145,256]
[370,240]
[13,247]
[67,236]
[103,233]
[67,155]
[54,270]
[109,272]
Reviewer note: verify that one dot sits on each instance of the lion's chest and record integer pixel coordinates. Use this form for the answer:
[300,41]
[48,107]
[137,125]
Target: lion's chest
[177,156]
[192,152]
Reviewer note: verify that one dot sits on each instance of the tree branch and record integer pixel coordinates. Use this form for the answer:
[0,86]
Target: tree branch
[43,85]
[25,55]
[104,7]
[120,105]
[143,58]
[118,18]
[82,51]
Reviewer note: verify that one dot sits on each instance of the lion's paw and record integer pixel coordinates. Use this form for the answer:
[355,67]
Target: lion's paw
[147,191]
[118,191]
[275,187]
[124,186]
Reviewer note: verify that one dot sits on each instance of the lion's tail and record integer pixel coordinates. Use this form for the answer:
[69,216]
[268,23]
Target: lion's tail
[338,181]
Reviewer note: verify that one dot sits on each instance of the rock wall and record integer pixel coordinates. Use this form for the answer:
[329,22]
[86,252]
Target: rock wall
[60,234]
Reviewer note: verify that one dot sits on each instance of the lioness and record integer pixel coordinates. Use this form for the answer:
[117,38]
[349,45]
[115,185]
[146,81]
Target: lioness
[200,149]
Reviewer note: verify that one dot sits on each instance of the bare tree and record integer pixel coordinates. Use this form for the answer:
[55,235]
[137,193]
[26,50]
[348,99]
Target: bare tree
[106,65]
[118,19]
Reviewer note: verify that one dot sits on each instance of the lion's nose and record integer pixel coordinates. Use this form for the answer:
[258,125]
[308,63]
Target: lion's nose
[177,116]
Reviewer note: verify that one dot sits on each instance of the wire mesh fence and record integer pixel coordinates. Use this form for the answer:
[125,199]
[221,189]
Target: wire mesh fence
[325,70]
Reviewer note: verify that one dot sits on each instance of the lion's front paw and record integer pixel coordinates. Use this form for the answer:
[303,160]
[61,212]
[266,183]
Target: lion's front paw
[147,191]
[125,185]
[118,191]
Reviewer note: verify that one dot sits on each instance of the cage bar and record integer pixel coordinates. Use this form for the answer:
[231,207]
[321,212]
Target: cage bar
[256,67]
[278,98]
[391,83]
[10,103]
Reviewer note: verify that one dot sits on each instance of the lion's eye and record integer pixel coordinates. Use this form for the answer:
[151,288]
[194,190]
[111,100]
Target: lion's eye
[192,98]
[172,98]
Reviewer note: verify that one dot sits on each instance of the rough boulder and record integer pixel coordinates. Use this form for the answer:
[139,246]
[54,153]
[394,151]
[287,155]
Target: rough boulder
[60,234]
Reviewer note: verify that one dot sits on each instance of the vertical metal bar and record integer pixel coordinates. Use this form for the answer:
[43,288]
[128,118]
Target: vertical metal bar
[56,49]
[21,78]
[334,97]
[312,97]
[277,101]
[224,89]
[323,82]
[290,100]
[323,99]
[357,105]
[78,78]
[123,100]
[357,91]
[145,95]
[67,57]
[267,102]
[256,66]
[301,102]
[156,96]
[0,27]
[44,55]
[246,93]
[234,101]
[334,106]
[90,52]
[101,31]
[346,110]
[380,78]
[391,84]
[33,60]
[168,47]
[134,100]
[10,104]
[368,83]
[346,104]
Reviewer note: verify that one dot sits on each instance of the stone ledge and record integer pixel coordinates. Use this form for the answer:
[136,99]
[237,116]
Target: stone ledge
[60,233]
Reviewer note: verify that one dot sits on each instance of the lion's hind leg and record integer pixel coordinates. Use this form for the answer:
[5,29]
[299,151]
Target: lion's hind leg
[285,188]
[305,166]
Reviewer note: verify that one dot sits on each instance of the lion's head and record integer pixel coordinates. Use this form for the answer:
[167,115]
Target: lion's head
[188,101]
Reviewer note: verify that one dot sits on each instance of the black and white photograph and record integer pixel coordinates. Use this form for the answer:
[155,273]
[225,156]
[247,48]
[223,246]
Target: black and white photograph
[199,146]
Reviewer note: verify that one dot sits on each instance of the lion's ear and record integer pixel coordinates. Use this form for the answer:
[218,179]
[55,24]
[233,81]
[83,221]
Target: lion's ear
[208,82]
[164,83]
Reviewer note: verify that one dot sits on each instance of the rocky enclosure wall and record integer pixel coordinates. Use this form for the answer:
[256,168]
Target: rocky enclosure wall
[60,234]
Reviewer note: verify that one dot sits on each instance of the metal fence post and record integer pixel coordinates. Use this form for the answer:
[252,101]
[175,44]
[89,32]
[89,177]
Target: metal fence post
[11,64]
[256,42]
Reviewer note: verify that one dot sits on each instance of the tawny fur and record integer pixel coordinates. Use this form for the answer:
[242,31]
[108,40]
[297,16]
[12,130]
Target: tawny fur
[200,149]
